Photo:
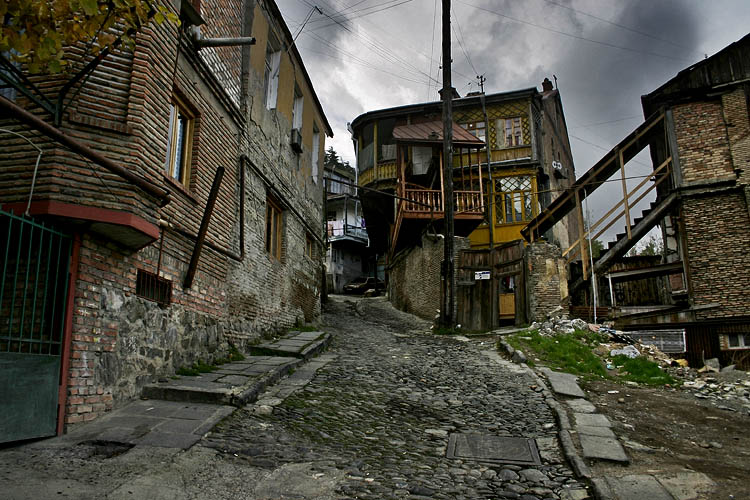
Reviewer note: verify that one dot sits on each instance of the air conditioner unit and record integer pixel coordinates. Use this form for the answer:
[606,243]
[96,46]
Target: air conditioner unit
[296,140]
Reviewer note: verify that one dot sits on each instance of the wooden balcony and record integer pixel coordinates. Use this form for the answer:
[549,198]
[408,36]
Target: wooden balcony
[428,204]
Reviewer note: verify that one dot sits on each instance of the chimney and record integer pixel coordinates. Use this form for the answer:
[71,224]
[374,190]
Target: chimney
[546,85]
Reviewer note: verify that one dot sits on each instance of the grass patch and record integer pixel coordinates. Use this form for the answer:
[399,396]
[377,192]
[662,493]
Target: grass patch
[303,328]
[196,369]
[642,371]
[235,354]
[187,371]
[568,352]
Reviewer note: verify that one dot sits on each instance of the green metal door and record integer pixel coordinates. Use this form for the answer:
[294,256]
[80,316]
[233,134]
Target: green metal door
[34,262]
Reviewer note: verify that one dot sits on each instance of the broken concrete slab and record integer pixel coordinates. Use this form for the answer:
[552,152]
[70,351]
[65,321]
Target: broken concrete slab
[564,384]
[688,485]
[602,448]
[595,431]
[636,487]
[591,420]
[297,344]
[233,388]
[580,406]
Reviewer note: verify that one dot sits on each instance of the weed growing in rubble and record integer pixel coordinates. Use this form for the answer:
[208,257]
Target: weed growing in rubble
[569,352]
[642,371]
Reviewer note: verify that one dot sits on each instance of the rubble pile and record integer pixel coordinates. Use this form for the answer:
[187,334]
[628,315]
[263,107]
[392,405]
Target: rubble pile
[725,388]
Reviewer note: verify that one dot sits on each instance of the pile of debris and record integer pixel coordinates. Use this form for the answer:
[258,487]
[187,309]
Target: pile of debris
[725,388]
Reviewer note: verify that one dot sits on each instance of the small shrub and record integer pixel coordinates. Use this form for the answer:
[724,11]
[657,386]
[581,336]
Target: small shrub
[203,367]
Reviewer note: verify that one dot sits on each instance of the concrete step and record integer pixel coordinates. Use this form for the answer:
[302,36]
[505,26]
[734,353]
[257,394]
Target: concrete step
[240,382]
[236,383]
[302,345]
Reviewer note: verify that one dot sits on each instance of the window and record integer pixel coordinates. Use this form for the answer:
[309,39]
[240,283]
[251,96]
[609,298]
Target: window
[509,132]
[179,141]
[152,287]
[738,340]
[477,129]
[513,200]
[315,154]
[297,109]
[271,76]
[309,246]
[273,228]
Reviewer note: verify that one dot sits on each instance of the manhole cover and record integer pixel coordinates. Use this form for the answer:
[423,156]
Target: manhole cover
[493,449]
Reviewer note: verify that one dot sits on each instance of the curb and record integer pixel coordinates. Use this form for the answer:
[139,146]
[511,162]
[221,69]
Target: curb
[571,452]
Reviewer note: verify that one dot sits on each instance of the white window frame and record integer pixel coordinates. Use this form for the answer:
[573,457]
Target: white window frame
[179,142]
[741,344]
[315,154]
[271,75]
[299,103]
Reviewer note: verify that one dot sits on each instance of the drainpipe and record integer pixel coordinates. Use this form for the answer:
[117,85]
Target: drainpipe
[62,397]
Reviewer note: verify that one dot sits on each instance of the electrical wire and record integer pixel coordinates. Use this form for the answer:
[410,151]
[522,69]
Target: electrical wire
[460,38]
[622,26]
[571,35]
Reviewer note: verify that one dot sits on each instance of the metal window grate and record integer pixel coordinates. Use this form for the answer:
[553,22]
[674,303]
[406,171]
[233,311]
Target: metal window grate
[152,287]
[34,261]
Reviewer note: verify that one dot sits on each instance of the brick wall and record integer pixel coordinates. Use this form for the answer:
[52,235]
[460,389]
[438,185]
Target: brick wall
[546,280]
[414,280]
[702,141]
[718,249]
[121,341]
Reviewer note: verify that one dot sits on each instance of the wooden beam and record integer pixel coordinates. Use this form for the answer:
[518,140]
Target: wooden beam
[584,259]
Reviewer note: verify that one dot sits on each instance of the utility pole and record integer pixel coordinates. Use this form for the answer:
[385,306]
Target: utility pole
[447,307]
[490,209]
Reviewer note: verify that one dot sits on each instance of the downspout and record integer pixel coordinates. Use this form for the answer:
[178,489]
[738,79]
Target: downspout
[62,398]
[8,108]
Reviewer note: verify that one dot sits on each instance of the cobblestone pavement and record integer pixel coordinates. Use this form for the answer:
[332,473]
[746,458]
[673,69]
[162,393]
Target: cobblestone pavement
[377,414]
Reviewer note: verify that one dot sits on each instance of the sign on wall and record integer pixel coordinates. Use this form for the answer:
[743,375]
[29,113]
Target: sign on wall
[481,275]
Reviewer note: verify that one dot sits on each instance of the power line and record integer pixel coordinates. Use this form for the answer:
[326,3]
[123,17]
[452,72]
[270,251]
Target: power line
[577,37]
[643,33]
[608,122]
[432,46]
[460,37]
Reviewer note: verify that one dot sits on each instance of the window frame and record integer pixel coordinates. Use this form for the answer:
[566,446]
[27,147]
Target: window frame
[274,228]
[315,154]
[501,134]
[181,137]
[502,197]
[741,341]
[271,73]
[309,246]
[474,128]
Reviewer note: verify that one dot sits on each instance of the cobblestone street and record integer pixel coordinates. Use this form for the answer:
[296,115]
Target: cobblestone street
[378,415]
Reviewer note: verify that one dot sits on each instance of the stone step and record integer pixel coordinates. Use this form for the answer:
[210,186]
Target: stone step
[236,383]
[302,345]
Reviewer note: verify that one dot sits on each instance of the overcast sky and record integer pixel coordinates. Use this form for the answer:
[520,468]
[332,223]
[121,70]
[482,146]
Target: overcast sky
[604,53]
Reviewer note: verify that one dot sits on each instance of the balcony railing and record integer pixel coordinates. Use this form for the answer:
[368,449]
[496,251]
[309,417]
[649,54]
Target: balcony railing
[338,229]
[430,201]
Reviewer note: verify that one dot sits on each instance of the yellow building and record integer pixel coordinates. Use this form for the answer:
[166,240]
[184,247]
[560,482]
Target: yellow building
[530,163]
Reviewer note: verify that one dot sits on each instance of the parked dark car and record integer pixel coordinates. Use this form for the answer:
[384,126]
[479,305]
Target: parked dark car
[362,284]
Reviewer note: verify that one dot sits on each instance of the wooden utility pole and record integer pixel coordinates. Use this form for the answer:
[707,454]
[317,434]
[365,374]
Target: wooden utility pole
[448,305]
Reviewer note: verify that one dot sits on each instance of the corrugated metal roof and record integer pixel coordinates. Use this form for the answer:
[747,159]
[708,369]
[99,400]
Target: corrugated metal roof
[432,133]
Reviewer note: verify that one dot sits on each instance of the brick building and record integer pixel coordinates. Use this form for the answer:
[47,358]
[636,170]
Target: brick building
[399,151]
[697,128]
[181,183]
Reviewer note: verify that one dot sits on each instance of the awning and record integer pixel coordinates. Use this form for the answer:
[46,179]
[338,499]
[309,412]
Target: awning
[432,133]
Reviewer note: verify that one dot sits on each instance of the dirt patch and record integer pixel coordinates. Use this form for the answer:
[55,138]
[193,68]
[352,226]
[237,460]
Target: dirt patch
[668,430]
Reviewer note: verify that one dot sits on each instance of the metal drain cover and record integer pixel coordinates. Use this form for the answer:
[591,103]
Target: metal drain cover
[493,449]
